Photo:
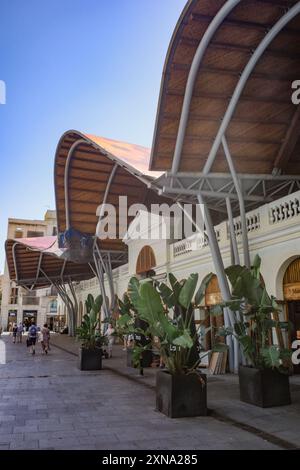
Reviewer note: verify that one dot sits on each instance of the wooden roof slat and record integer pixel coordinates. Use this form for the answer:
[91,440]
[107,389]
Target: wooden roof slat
[266,96]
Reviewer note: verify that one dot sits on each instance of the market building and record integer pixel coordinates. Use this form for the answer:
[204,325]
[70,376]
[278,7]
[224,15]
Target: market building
[226,137]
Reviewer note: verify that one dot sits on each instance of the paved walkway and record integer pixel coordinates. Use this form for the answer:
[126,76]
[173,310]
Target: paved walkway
[47,403]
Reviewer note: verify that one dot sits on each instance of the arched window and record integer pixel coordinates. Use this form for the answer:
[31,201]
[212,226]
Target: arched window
[291,281]
[213,293]
[146,260]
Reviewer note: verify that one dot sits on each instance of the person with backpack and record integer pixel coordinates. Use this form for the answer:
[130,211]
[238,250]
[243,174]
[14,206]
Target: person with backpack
[32,336]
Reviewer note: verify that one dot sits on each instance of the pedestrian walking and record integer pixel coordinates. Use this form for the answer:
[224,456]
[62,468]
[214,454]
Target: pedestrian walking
[45,332]
[14,332]
[20,332]
[110,336]
[32,337]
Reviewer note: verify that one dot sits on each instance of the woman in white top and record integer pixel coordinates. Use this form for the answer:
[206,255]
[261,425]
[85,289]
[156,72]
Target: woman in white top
[110,336]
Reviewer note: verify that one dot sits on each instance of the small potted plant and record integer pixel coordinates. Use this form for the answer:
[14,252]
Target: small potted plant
[90,352]
[169,314]
[264,379]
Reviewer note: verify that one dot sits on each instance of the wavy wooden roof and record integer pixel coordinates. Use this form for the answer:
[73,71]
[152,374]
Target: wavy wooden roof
[29,258]
[264,132]
[90,168]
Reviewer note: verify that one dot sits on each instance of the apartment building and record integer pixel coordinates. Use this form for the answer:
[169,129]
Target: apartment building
[18,304]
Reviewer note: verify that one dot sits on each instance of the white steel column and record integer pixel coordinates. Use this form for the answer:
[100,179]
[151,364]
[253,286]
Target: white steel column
[229,318]
[236,256]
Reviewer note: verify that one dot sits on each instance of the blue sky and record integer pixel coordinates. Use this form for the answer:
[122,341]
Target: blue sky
[91,65]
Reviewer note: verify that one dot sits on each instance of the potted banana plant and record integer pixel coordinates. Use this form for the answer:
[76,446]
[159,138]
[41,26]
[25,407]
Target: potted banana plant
[169,314]
[90,352]
[129,325]
[264,378]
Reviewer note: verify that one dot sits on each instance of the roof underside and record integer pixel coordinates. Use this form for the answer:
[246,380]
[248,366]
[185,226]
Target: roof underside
[35,262]
[264,132]
[88,178]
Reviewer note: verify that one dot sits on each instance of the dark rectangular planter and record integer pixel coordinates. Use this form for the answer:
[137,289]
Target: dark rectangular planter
[147,358]
[264,388]
[90,359]
[180,396]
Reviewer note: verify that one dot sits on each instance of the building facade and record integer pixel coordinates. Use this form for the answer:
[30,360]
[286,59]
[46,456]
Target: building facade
[274,234]
[18,304]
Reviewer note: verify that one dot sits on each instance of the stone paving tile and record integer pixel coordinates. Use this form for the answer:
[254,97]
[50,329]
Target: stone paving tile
[25,429]
[70,409]
[56,427]
[7,438]
[24,445]
[55,443]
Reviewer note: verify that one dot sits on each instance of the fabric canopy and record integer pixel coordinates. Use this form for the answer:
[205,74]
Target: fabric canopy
[35,262]
[92,170]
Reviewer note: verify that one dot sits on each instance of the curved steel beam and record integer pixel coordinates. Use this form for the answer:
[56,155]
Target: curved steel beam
[66,178]
[209,33]
[109,183]
[15,261]
[38,269]
[284,20]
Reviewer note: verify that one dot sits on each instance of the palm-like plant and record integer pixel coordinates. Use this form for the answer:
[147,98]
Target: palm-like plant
[254,324]
[176,334]
[88,333]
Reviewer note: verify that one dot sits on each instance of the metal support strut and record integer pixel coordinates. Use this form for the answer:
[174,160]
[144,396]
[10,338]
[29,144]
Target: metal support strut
[229,317]
[241,203]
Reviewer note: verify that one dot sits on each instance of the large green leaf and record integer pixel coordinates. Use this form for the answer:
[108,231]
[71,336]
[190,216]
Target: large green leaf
[234,272]
[184,341]
[201,291]
[124,320]
[98,303]
[89,302]
[187,292]
[247,343]
[133,290]
[239,328]
[167,295]
[149,304]
[271,356]
[176,286]
[265,300]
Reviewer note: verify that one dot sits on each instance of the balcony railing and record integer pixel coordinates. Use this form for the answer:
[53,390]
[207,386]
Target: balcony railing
[285,211]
